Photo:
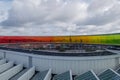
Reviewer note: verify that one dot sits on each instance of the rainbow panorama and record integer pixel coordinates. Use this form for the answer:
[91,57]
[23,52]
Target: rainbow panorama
[109,39]
[73,57]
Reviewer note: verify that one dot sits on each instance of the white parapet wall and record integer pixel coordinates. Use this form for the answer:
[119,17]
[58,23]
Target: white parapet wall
[2,61]
[5,66]
[78,65]
[59,64]
[48,76]
[71,75]
[11,72]
[28,74]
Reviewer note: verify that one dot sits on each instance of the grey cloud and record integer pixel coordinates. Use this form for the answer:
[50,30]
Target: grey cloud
[62,17]
[25,11]
[111,15]
[101,13]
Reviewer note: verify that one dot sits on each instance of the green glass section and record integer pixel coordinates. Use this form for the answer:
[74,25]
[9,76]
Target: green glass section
[109,75]
[86,76]
[40,75]
[110,39]
[63,76]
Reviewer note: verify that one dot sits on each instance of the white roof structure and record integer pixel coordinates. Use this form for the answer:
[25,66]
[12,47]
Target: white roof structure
[15,65]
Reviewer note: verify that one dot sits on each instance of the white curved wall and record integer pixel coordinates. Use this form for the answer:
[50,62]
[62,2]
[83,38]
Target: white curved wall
[60,64]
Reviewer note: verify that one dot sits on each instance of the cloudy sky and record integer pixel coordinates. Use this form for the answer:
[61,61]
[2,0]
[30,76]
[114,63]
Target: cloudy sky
[59,17]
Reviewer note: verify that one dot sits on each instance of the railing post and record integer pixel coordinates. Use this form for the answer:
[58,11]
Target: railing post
[4,54]
[30,61]
[117,64]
